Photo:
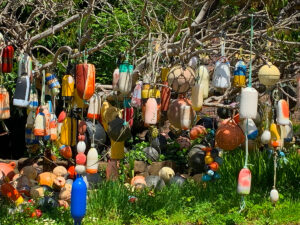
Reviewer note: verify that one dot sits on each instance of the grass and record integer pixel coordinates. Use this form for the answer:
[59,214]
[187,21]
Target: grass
[214,203]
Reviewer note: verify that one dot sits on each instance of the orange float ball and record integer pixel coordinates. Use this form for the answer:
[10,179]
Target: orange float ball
[214,166]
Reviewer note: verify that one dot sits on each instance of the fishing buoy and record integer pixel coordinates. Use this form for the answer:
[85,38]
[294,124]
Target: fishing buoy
[239,79]
[128,114]
[203,76]
[80,159]
[7,59]
[275,137]
[164,74]
[40,125]
[282,111]
[53,127]
[151,111]
[81,147]
[165,97]
[248,104]
[80,169]
[289,134]
[185,117]
[22,92]
[118,130]
[197,131]
[125,79]
[221,76]
[68,131]
[65,151]
[197,96]
[274,195]
[117,149]
[252,129]
[33,100]
[136,100]
[47,120]
[68,83]
[174,111]
[265,137]
[166,173]
[4,104]
[196,158]
[94,107]
[13,194]
[268,74]
[53,83]
[115,80]
[229,135]
[92,161]
[193,62]
[181,79]
[244,182]
[78,200]
[85,80]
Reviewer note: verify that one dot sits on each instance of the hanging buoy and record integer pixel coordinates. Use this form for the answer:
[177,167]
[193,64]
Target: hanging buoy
[252,129]
[249,103]
[289,134]
[181,79]
[197,96]
[4,104]
[33,100]
[151,111]
[239,79]
[275,137]
[125,79]
[193,62]
[282,111]
[136,100]
[274,195]
[81,147]
[78,200]
[203,75]
[65,151]
[68,131]
[7,59]
[22,92]
[150,93]
[229,135]
[128,113]
[40,125]
[115,80]
[221,76]
[85,80]
[68,83]
[268,74]
[185,117]
[174,111]
[265,137]
[53,127]
[47,120]
[244,182]
[53,83]
[94,107]
[165,97]
[117,149]
[92,161]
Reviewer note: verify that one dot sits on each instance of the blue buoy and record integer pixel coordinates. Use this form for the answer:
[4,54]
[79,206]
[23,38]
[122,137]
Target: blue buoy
[78,200]
[206,178]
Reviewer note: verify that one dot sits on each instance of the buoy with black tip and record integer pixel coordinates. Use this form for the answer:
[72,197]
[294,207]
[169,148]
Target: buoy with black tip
[78,200]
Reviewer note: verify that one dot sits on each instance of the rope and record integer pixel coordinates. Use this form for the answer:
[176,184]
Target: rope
[250,66]
[222,47]
[247,152]
[275,168]
[43,89]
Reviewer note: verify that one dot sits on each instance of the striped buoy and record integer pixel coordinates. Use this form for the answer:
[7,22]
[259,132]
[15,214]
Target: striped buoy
[67,92]
[4,104]
[53,83]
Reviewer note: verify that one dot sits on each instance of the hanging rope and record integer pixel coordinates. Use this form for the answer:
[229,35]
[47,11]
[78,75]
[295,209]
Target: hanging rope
[250,66]
[275,168]
[43,89]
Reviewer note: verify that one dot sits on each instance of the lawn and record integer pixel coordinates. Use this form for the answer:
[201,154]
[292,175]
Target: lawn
[212,203]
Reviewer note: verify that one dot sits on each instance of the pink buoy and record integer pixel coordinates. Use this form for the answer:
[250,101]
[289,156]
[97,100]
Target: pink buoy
[244,181]
[80,159]
[151,111]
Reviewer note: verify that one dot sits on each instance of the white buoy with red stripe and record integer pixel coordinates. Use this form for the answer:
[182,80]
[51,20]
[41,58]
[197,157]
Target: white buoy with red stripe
[244,181]
[94,107]
[282,111]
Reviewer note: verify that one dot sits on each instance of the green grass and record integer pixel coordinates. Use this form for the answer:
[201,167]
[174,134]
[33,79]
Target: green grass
[215,203]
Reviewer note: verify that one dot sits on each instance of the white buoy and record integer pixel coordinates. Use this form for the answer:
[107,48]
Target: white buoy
[282,111]
[248,104]
[197,96]
[221,77]
[185,117]
[274,195]
[92,161]
[81,147]
[80,169]
[203,74]
[125,78]
[265,137]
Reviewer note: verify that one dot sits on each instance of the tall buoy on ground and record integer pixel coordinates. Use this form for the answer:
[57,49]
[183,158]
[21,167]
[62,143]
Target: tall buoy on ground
[78,200]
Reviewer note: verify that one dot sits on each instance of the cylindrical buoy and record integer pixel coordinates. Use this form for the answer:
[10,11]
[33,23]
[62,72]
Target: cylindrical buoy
[274,195]
[53,127]
[81,147]
[185,117]
[67,92]
[197,96]
[244,181]
[275,137]
[125,78]
[265,137]
[282,111]
[4,104]
[94,107]
[165,97]
[249,102]
[92,161]
[203,74]
[151,111]
[116,76]
[78,199]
